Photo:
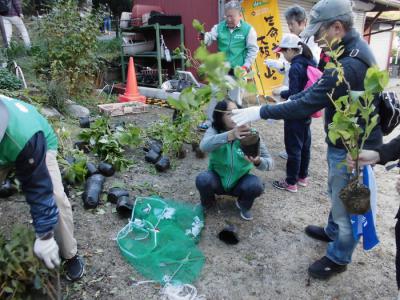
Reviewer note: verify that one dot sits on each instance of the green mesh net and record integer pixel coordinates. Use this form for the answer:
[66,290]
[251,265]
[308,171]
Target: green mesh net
[160,240]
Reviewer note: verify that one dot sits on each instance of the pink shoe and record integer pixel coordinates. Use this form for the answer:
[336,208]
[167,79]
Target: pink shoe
[283,185]
[303,182]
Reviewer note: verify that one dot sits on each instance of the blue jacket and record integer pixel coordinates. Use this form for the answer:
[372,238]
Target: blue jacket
[32,172]
[356,59]
[297,75]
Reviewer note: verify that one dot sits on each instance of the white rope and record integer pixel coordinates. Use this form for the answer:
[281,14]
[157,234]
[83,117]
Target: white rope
[180,292]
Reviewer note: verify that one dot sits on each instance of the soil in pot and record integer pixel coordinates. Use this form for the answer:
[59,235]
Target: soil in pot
[250,144]
[93,188]
[115,193]
[81,145]
[106,169]
[152,156]
[163,164]
[356,197]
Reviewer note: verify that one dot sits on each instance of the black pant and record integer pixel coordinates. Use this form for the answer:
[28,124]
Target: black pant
[297,143]
[247,189]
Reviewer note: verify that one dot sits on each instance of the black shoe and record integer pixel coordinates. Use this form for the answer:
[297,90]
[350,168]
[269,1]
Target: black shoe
[318,233]
[74,268]
[324,268]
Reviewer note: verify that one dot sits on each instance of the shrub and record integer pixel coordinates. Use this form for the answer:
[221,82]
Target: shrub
[68,45]
[9,81]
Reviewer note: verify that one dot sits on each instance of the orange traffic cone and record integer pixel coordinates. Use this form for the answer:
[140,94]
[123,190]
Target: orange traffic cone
[131,91]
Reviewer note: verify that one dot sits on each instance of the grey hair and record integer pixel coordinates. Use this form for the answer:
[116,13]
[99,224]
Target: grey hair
[233,5]
[346,20]
[295,12]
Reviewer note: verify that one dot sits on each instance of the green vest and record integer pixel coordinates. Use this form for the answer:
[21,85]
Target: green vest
[229,163]
[23,122]
[233,44]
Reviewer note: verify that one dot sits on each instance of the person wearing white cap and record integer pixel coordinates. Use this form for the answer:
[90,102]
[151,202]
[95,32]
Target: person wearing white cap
[333,20]
[297,133]
[28,144]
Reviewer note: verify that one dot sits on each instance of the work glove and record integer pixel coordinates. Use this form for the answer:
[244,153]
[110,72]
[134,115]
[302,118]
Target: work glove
[47,250]
[274,63]
[246,115]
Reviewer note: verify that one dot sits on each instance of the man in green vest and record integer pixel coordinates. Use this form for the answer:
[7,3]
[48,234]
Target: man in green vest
[28,144]
[238,40]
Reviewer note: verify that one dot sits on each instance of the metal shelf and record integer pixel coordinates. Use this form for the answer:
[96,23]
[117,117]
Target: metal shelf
[154,54]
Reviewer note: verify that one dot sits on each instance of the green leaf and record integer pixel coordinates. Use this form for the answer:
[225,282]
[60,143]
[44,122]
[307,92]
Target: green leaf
[198,26]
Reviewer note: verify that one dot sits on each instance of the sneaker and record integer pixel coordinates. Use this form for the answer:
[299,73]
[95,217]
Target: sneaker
[283,155]
[74,268]
[244,214]
[317,233]
[303,182]
[324,268]
[283,185]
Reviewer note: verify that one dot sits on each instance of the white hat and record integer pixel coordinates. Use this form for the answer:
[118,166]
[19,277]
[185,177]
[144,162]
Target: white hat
[289,41]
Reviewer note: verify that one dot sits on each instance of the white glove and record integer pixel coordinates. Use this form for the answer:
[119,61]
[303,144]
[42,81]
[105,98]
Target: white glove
[47,250]
[246,115]
[274,63]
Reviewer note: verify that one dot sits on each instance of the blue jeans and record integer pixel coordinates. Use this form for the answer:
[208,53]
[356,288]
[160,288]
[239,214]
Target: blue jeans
[107,24]
[247,189]
[297,135]
[339,227]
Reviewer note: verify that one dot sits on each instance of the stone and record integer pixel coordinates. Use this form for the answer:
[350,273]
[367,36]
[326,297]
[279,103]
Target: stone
[77,111]
[50,112]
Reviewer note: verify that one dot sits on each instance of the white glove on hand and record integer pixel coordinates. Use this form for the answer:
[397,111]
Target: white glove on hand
[47,250]
[246,115]
[274,63]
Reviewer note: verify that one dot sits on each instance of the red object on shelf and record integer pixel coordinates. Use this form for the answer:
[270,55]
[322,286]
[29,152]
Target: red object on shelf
[139,10]
[131,91]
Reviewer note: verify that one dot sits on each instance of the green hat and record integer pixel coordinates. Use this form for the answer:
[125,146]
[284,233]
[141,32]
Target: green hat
[3,119]
[325,11]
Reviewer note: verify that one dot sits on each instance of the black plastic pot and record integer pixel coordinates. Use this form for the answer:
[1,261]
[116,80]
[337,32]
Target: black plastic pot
[106,169]
[66,188]
[93,188]
[154,145]
[195,146]
[250,145]
[84,122]
[200,154]
[70,159]
[7,189]
[81,145]
[92,169]
[152,156]
[229,235]
[181,154]
[125,206]
[163,164]
[115,193]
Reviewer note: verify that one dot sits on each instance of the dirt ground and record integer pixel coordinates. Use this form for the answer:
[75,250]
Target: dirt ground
[273,255]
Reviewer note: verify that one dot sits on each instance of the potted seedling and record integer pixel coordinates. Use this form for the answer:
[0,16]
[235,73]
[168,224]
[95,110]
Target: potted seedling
[250,144]
[351,110]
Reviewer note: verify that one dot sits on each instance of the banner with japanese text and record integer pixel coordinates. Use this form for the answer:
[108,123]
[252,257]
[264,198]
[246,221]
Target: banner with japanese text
[263,15]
